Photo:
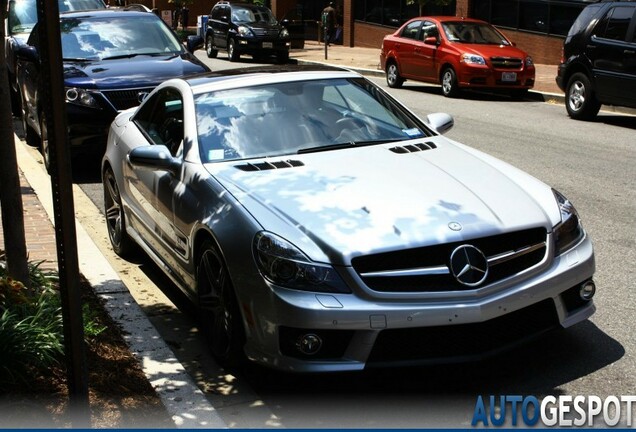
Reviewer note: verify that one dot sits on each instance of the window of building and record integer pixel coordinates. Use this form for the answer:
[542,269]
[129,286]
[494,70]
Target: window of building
[553,17]
[394,13]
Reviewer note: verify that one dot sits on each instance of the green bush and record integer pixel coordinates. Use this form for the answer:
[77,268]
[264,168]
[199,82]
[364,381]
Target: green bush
[31,325]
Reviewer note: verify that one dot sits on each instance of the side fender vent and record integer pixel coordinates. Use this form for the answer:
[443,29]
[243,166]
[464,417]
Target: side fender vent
[262,166]
[413,148]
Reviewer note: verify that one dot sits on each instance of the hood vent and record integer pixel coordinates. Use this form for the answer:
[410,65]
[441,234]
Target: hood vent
[263,166]
[413,148]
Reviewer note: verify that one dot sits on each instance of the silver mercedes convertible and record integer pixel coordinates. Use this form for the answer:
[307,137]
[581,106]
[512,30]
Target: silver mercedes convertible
[319,225]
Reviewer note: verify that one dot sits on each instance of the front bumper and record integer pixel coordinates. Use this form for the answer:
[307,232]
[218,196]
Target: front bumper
[487,77]
[361,330]
[88,128]
[253,46]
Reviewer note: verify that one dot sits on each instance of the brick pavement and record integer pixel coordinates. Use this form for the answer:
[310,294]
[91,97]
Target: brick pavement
[39,231]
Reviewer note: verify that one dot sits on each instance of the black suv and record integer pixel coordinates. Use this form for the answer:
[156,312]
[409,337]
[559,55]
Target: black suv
[242,28]
[599,59]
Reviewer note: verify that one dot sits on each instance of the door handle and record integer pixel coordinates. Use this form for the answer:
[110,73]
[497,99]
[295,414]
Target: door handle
[629,52]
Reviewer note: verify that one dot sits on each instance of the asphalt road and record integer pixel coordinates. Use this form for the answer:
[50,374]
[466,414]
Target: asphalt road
[591,163]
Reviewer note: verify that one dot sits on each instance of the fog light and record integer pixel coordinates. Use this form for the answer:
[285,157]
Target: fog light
[588,289]
[309,344]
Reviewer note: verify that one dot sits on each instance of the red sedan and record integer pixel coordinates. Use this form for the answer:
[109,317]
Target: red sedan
[456,53]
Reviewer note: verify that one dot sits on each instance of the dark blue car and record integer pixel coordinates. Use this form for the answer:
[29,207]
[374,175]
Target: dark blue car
[111,59]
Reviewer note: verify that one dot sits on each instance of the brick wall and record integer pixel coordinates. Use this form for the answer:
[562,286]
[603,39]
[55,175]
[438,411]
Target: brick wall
[542,49]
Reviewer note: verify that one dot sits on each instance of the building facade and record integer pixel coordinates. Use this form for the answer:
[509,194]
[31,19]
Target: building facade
[537,26]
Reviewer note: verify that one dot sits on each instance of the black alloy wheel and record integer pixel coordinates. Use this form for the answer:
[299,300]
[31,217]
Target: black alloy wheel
[219,315]
[115,217]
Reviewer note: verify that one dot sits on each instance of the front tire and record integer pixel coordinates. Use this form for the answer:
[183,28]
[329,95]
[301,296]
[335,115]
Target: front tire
[219,315]
[393,78]
[121,242]
[450,87]
[209,47]
[580,101]
[232,52]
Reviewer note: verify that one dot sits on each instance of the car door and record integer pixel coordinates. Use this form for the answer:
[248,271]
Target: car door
[612,51]
[426,52]
[405,49]
[160,121]
[220,26]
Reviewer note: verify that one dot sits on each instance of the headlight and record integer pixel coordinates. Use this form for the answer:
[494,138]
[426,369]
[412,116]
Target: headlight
[569,231]
[473,59]
[244,31]
[80,97]
[285,265]
[529,61]
[284,33]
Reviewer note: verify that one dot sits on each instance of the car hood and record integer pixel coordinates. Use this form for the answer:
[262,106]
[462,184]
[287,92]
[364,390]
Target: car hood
[140,71]
[370,199]
[494,50]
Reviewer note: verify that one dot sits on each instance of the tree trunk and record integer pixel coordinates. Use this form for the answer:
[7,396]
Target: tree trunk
[10,192]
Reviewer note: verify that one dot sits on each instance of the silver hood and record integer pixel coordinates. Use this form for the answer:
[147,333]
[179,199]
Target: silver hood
[371,199]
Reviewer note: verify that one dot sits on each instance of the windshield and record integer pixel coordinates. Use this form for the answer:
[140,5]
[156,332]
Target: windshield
[116,37]
[23,13]
[473,33]
[251,15]
[298,117]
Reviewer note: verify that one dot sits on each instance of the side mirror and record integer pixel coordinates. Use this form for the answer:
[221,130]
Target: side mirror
[431,40]
[194,42]
[28,53]
[154,157]
[440,122]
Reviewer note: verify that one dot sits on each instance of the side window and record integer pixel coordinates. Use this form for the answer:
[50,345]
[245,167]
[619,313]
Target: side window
[615,24]
[411,30]
[217,12]
[429,29]
[161,120]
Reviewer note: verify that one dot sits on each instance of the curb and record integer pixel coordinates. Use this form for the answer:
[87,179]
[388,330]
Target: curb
[184,402]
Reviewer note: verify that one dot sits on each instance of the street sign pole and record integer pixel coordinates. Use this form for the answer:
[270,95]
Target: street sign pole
[52,88]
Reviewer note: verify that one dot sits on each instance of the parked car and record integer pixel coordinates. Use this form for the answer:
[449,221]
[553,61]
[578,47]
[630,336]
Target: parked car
[319,225]
[111,59]
[21,17]
[245,28]
[458,53]
[598,65]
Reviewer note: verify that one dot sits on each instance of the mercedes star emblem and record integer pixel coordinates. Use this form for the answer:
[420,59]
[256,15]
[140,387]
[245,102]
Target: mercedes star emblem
[469,265]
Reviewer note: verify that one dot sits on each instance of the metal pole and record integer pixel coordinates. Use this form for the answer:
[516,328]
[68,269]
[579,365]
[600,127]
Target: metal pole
[52,88]
[325,40]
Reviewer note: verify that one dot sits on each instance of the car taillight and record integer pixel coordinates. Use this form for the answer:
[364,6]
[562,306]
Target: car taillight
[562,55]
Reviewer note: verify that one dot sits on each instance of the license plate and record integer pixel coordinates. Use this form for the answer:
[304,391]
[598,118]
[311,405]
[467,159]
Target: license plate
[509,76]
[268,45]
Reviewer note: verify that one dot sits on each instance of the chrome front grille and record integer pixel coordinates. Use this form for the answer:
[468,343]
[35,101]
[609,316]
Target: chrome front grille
[265,33]
[506,62]
[427,269]
[124,99]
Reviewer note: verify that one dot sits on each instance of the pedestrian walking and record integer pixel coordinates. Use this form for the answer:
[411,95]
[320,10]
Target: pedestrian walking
[328,22]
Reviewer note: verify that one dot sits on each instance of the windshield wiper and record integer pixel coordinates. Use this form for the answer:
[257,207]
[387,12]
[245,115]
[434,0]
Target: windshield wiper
[77,59]
[344,145]
[131,55]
